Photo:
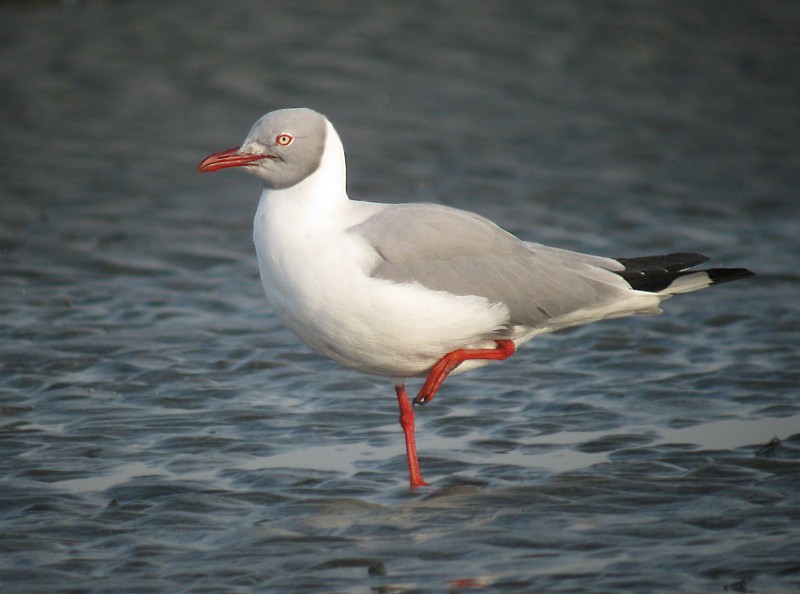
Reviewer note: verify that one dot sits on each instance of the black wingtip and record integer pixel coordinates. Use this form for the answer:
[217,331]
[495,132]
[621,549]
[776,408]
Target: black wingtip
[656,273]
[725,275]
[665,262]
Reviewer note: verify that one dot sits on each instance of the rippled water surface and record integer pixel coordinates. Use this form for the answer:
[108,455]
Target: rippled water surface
[161,432]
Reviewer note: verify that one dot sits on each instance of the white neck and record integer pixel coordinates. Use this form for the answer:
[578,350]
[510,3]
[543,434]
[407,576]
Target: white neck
[293,226]
[321,194]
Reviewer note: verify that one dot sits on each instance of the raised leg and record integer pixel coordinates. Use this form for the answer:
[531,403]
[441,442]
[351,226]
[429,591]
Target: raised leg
[407,422]
[440,371]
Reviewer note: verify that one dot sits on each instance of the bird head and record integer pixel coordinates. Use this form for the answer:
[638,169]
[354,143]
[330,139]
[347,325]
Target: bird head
[282,148]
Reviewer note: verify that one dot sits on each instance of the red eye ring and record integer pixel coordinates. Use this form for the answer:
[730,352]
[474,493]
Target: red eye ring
[284,139]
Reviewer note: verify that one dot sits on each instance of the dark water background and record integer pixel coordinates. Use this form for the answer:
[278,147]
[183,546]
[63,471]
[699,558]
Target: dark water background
[161,432]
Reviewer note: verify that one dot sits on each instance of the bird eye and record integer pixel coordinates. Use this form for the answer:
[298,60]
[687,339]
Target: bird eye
[284,139]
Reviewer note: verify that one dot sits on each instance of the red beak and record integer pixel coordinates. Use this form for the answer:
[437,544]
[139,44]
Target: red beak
[230,158]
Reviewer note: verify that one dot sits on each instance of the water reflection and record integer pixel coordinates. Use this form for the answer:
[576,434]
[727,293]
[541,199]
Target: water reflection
[562,453]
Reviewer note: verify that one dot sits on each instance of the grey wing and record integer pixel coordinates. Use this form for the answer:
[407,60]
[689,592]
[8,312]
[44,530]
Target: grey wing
[451,250]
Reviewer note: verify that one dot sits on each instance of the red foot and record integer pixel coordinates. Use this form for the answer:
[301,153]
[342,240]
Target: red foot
[440,371]
[407,422]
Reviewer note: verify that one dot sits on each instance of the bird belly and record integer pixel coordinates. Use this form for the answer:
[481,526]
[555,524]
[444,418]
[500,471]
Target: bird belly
[319,284]
[386,329]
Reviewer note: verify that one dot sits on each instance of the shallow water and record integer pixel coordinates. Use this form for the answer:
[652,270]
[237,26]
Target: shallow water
[161,431]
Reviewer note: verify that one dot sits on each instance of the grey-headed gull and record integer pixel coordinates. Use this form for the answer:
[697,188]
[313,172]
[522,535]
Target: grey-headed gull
[419,290]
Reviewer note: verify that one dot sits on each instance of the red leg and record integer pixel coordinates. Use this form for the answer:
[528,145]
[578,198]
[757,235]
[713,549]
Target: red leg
[440,371]
[407,422]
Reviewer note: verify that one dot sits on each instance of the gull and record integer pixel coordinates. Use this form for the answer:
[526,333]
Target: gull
[419,290]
